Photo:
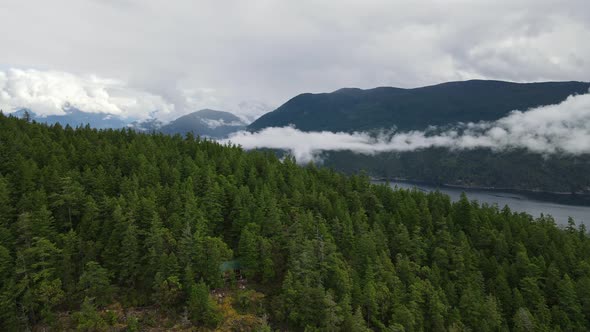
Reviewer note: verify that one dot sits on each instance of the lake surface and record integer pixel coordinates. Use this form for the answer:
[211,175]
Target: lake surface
[559,206]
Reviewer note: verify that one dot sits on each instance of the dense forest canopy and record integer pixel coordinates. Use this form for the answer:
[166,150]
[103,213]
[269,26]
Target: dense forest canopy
[117,229]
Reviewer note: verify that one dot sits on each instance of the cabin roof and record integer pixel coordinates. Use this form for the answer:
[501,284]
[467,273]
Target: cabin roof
[230,265]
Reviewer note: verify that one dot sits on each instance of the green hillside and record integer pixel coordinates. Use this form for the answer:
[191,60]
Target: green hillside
[442,105]
[512,169]
[408,109]
[123,231]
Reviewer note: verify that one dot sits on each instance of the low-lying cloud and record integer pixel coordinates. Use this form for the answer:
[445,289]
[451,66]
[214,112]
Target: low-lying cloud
[51,92]
[211,123]
[563,128]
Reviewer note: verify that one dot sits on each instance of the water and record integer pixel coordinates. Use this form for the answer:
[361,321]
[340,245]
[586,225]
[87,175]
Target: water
[559,206]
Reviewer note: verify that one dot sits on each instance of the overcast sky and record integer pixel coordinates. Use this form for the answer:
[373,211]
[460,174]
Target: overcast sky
[132,57]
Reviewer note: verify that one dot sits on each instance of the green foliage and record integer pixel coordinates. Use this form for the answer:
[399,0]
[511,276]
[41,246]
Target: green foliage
[167,292]
[90,218]
[511,169]
[38,283]
[132,324]
[95,283]
[88,318]
[202,308]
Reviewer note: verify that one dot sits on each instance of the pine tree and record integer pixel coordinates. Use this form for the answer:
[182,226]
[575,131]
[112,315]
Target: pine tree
[94,283]
[202,308]
[129,255]
[88,318]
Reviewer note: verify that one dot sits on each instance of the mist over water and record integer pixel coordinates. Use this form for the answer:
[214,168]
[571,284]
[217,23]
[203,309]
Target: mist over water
[562,128]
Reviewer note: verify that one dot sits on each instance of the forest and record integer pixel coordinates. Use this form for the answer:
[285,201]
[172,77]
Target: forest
[516,169]
[125,231]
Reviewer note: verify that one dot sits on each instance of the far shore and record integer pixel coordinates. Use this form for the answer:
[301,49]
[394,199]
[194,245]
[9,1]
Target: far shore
[486,188]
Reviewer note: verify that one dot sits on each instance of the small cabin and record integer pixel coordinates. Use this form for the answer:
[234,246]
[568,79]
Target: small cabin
[231,270]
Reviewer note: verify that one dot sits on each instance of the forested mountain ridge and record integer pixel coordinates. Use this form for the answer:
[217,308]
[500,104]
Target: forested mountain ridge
[123,230]
[415,109]
[443,106]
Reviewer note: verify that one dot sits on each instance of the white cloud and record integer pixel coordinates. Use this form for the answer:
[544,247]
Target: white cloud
[250,110]
[211,123]
[50,92]
[274,50]
[561,128]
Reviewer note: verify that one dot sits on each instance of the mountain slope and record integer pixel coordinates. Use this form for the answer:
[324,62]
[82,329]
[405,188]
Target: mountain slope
[440,105]
[208,123]
[408,109]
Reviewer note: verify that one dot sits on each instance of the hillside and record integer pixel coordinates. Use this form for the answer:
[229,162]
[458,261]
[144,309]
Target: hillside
[120,230]
[514,169]
[408,109]
[442,105]
[206,123]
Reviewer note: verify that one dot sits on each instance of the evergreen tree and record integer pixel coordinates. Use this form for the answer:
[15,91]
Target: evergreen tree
[202,308]
[94,283]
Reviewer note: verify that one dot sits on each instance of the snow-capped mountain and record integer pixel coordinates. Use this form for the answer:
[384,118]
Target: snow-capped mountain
[75,117]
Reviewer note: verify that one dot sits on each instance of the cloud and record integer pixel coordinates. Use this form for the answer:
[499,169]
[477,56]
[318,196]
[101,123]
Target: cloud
[211,123]
[250,110]
[50,92]
[230,51]
[563,128]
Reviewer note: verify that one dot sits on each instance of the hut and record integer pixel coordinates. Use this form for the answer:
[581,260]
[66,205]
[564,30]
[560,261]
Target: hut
[231,270]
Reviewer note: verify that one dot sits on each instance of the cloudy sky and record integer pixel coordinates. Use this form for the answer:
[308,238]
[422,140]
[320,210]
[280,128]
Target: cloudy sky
[132,57]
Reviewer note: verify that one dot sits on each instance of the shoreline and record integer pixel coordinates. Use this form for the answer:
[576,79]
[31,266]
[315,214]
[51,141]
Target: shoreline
[484,188]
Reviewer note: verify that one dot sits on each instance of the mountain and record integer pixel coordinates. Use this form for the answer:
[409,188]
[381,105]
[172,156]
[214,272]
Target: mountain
[147,126]
[407,109]
[206,123]
[440,105]
[75,117]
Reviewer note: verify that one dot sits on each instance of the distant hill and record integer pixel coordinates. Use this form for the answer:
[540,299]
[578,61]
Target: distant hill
[75,118]
[207,123]
[408,109]
[146,126]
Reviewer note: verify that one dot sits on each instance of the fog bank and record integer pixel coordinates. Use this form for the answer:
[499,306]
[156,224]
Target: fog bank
[563,128]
